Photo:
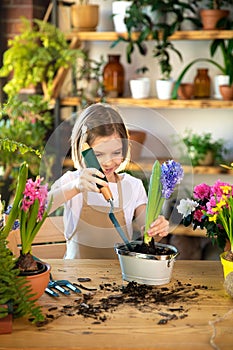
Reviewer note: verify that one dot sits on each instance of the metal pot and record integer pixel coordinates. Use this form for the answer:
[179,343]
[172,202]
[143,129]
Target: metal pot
[146,268]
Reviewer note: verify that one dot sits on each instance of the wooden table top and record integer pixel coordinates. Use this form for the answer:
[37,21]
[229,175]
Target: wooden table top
[202,318]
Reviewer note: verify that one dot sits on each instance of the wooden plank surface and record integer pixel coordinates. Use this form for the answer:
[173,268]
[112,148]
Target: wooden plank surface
[208,324]
[153,102]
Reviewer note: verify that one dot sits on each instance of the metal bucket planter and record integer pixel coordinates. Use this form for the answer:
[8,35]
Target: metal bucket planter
[146,268]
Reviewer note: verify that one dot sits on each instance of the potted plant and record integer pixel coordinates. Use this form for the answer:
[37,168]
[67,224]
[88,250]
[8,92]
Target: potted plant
[88,79]
[140,85]
[84,16]
[213,12]
[202,149]
[35,56]
[30,207]
[119,9]
[211,208]
[148,262]
[149,26]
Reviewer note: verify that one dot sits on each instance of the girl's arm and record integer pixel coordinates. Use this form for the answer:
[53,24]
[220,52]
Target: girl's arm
[69,186]
[61,194]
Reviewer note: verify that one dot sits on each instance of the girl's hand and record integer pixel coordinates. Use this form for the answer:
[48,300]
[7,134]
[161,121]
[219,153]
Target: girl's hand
[159,227]
[88,179]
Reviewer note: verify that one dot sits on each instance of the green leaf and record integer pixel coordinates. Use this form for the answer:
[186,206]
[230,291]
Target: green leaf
[153,207]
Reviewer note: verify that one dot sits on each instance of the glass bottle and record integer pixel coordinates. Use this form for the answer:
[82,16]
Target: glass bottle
[202,83]
[113,77]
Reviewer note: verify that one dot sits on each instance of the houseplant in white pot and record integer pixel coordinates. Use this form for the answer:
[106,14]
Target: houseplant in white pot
[149,262]
[139,84]
[151,27]
[119,12]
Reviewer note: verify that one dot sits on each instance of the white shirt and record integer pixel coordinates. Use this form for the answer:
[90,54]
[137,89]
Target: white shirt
[133,193]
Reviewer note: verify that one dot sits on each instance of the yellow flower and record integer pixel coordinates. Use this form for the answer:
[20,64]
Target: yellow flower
[226,189]
[213,218]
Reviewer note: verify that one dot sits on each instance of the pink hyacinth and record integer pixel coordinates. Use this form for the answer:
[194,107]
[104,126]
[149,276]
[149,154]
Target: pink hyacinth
[34,190]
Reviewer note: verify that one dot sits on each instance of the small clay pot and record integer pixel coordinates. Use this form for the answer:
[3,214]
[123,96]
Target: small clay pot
[186,91]
[227,92]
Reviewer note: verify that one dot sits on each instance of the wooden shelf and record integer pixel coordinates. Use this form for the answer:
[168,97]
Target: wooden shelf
[179,35]
[156,103]
[146,165]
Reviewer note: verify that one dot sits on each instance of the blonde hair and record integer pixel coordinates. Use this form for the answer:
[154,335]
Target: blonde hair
[97,120]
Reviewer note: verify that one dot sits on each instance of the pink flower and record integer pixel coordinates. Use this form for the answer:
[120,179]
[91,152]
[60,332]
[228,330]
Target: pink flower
[34,190]
[201,191]
[217,190]
[198,215]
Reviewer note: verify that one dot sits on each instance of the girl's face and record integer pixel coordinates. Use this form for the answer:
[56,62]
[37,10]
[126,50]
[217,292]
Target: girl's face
[108,150]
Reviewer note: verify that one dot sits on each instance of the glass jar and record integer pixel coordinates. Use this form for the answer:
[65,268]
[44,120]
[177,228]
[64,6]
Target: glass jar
[113,77]
[202,83]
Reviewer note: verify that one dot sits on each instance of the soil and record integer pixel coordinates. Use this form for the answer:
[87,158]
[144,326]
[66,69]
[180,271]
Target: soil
[166,302]
[152,249]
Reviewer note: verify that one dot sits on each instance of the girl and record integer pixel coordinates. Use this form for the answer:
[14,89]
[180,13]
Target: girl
[88,229]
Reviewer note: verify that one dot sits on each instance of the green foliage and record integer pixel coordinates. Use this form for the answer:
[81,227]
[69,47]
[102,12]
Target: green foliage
[34,57]
[88,82]
[152,25]
[155,200]
[199,144]
[14,289]
[25,124]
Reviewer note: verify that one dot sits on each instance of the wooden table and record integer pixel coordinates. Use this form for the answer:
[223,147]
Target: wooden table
[208,323]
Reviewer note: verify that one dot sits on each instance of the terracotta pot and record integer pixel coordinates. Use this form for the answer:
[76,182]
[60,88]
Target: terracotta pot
[210,18]
[207,160]
[6,323]
[226,92]
[137,139]
[186,91]
[38,281]
[85,18]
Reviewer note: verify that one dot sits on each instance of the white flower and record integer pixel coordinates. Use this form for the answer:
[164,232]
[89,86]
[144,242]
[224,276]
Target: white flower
[186,207]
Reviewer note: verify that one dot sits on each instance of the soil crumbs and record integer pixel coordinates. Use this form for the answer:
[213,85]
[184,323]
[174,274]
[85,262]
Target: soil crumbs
[99,304]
